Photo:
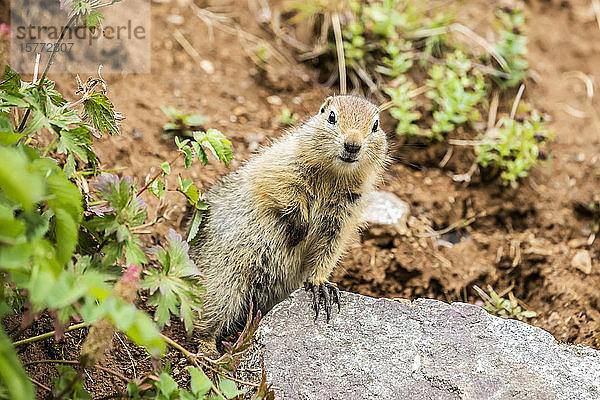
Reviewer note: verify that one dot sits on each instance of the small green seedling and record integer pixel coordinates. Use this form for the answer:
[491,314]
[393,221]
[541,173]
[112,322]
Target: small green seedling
[182,124]
[514,147]
[287,117]
[457,88]
[506,308]
[512,45]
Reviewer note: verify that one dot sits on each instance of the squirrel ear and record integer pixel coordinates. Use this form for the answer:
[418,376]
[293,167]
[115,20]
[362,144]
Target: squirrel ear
[326,104]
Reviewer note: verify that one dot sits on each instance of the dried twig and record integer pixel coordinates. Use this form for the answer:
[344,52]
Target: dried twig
[187,46]
[513,111]
[74,362]
[339,45]
[456,27]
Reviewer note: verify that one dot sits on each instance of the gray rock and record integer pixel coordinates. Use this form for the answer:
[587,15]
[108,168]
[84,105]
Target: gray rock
[427,349]
[386,208]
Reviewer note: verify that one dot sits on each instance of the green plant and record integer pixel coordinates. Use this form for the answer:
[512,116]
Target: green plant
[174,287]
[506,308]
[182,124]
[401,49]
[457,88]
[514,147]
[287,117]
[64,252]
[165,388]
[403,107]
[512,45]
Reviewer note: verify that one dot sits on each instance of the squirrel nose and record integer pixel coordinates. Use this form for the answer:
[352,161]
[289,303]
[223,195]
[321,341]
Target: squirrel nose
[351,147]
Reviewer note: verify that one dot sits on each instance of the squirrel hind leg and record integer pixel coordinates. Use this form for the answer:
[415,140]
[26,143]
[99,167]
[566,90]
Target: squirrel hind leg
[207,345]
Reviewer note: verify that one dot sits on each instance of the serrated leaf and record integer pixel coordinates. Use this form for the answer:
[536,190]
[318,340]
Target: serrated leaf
[11,81]
[194,226]
[133,253]
[70,166]
[189,156]
[100,112]
[185,184]
[94,18]
[157,188]
[192,194]
[200,153]
[220,146]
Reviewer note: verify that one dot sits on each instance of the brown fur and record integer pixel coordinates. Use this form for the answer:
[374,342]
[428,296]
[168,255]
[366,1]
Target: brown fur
[285,217]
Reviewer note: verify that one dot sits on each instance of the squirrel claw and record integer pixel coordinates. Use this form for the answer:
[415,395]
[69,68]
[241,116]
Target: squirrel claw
[328,292]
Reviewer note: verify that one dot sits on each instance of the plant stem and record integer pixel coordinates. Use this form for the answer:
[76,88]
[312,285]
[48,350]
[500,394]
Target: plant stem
[179,347]
[50,61]
[50,146]
[49,334]
[40,384]
[74,362]
[190,356]
[159,173]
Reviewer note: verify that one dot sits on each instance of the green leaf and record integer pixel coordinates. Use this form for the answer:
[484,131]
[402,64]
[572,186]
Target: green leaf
[12,231]
[175,285]
[189,156]
[94,18]
[16,181]
[69,383]
[194,119]
[11,81]
[200,152]
[200,383]
[157,188]
[9,138]
[77,141]
[167,385]
[220,144]
[135,323]
[229,388]
[194,227]
[134,254]
[191,193]
[12,374]
[66,231]
[166,168]
[100,112]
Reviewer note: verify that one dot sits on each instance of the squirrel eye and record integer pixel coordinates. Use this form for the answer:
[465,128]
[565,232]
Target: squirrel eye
[331,118]
[375,126]
[322,110]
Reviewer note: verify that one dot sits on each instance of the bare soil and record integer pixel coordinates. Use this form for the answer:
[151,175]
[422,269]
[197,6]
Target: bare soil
[524,237]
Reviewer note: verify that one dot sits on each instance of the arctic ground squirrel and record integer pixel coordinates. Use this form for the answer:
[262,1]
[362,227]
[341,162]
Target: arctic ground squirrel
[284,218]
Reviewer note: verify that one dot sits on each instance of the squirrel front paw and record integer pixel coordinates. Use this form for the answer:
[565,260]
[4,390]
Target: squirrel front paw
[326,291]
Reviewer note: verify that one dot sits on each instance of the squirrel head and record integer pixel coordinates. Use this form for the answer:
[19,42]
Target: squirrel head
[347,135]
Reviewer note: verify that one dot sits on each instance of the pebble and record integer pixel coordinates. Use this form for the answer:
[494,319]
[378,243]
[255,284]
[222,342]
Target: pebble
[175,19]
[386,208]
[275,100]
[207,66]
[582,261]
